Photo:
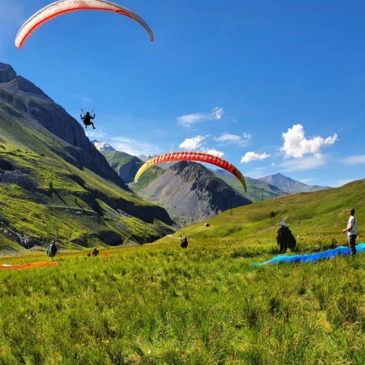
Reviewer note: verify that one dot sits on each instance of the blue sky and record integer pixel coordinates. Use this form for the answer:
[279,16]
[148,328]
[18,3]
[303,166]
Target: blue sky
[271,86]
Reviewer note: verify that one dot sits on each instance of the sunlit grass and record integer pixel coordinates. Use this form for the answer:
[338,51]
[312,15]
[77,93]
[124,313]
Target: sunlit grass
[160,304]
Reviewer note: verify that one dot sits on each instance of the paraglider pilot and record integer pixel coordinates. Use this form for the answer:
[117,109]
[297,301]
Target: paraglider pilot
[285,238]
[184,242]
[52,250]
[87,119]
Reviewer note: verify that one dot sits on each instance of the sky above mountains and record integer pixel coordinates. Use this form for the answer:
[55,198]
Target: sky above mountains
[269,86]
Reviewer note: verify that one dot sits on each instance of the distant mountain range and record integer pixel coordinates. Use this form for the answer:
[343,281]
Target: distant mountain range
[166,187]
[274,185]
[290,186]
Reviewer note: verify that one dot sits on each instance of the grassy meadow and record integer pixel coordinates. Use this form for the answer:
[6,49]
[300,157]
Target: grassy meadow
[160,304]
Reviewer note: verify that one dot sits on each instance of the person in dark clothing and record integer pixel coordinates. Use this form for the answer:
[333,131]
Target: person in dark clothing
[95,252]
[285,238]
[184,242]
[52,250]
[87,119]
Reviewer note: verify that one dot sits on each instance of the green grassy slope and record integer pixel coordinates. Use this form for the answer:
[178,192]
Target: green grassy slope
[160,304]
[256,190]
[147,178]
[117,156]
[315,218]
[45,195]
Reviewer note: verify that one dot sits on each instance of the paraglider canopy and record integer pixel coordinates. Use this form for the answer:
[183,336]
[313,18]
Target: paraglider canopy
[66,6]
[191,156]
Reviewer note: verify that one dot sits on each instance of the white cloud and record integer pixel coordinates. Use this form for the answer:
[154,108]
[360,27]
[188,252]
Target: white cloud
[193,143]
[134,147]
[214,152]
[354,160]
[297,145]
[189,119]
[252,156]
[128,145]
[239,140]
[95,134]
[197,144]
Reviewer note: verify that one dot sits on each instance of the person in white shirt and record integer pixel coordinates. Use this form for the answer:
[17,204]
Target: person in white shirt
[351,231]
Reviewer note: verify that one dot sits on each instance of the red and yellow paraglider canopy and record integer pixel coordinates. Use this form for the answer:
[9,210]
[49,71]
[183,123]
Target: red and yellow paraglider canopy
[191,156]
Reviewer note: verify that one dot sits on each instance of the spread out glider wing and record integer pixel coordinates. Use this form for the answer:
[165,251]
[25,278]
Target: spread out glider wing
[191,156]
[66,6]
[311,257]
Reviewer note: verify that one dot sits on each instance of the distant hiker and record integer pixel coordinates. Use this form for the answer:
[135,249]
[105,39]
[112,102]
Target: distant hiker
[285,238]
[87,119]
[351,230]
[95,252]
[183,242]
[52,250]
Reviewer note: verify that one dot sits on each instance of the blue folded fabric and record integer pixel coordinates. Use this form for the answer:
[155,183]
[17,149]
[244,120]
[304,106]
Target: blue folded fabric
[310,257]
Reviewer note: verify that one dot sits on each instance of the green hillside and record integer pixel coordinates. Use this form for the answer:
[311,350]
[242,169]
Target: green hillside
[207,304]
[117,159]
[257,190]
[316,219]
[147,178]
[43,196]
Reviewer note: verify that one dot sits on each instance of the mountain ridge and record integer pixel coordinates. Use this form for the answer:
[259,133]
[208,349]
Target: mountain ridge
[191,193]
[290,186]
[52,178]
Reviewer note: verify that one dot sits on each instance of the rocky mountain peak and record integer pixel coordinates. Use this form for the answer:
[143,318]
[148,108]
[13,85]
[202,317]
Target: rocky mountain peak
[7,73]
[190,191]
[189,171]
[102,146]
[15,84]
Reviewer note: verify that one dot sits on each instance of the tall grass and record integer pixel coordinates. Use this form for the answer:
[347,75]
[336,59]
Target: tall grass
[159,304]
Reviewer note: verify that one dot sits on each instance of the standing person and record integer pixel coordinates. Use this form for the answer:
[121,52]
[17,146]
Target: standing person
[351,230]
[52,250]
[285,238]
[87,119]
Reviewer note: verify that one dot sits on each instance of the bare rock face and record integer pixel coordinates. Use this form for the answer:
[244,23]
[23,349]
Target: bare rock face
[7,73]
[191,191]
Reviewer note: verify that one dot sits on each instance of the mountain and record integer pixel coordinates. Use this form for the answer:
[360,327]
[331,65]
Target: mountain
[191,193]
[316,219]
[102,146]
[144,158]
[257,190]
[290,186]
[53,179]
[125,165]
[23,100]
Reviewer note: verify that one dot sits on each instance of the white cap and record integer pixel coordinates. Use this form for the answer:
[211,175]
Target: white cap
[282,223]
